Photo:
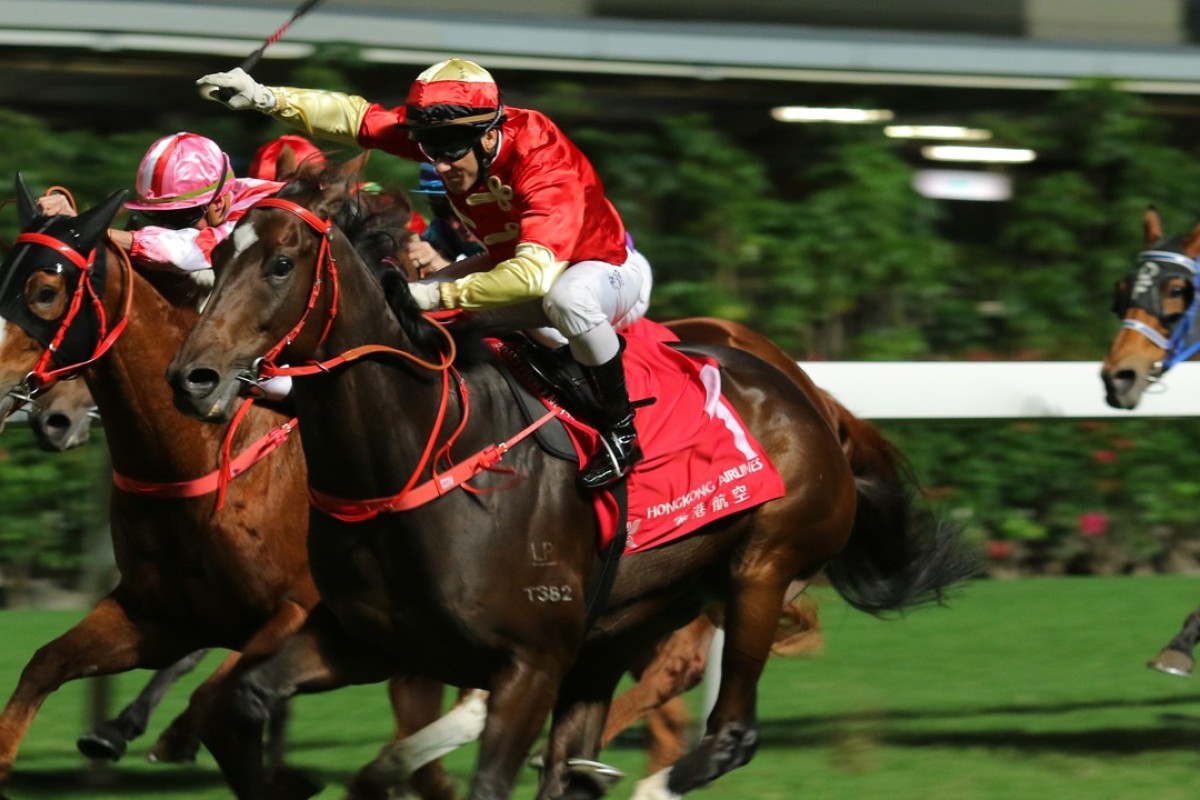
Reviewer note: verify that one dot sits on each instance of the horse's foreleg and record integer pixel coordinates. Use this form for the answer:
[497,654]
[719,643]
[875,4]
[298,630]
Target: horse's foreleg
[668,727]
[677,666]
[108,740]
[321,656]
[412,759]
[104,642]
[730,739]
[180,741]
[1176,658]
[521,697]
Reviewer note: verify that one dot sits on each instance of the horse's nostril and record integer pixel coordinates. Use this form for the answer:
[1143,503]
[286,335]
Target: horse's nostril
[56,421]
[202,380]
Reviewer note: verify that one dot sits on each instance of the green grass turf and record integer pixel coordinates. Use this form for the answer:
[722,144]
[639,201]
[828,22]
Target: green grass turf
[1025,689]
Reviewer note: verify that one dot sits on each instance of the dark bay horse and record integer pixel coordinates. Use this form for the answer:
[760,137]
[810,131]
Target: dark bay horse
[1157,308]
[448,589]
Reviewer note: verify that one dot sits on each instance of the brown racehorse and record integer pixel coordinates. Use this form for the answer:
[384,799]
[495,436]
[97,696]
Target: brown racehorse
[192,575]
[1157,308]
[447,589]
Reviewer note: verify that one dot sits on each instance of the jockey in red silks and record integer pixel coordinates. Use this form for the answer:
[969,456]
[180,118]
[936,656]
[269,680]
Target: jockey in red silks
[266,159]
[558,257]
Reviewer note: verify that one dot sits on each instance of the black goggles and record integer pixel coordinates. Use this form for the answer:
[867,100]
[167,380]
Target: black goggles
[176,219]
[446,153]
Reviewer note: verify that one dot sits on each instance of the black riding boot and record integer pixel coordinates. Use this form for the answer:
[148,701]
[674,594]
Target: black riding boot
[619,449]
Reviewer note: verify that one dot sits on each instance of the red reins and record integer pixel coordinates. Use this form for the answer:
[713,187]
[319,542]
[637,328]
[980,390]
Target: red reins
[412,495]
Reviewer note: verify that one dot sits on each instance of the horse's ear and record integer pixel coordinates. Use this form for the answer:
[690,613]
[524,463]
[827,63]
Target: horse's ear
[355,166]
[286,165]
[1152,226]
[338,185]
[91,224]
[1191,248]
[26,205]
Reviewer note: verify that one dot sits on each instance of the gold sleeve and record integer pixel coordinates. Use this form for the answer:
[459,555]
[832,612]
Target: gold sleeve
[328,115]
[528,275]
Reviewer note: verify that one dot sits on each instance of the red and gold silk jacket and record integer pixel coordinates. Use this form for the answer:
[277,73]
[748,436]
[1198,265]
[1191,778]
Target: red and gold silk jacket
[541,208]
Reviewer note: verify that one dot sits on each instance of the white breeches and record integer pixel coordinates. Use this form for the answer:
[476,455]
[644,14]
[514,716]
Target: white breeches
[589,295]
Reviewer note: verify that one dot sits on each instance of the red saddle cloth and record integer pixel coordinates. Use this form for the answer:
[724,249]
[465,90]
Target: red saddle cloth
[700,462]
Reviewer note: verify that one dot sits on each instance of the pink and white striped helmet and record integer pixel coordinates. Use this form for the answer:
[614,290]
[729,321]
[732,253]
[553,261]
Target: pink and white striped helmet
[183,170]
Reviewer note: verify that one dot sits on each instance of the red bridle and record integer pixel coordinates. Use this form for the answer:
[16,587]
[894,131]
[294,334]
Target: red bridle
[41,374]
[412,495]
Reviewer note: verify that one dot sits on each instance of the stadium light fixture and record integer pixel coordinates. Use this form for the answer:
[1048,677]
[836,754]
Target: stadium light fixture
[987,155]
[946,132]
[842,115]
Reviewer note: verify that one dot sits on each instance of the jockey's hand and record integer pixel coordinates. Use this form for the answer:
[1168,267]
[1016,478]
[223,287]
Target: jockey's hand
[55,205]
[237,90]
[422,258]
[427,294]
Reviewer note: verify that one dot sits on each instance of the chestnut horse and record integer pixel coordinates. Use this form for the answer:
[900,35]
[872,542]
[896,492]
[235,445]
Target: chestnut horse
[193,573]
[1157,308]
[447,588]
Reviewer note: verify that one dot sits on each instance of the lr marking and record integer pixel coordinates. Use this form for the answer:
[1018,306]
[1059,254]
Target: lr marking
[549,594]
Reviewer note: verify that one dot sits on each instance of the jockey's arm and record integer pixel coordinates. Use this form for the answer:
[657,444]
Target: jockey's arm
[528,275]
[327,115]
[122,239]
[463,267]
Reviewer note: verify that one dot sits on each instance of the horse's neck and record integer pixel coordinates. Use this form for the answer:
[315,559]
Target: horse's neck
[145,433]
[366,424]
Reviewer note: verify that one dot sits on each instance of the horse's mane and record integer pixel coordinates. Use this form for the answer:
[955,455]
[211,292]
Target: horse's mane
[375,224]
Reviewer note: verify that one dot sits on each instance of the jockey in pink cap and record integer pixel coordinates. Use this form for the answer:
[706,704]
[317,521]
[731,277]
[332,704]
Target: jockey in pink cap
[558,258]
[188,200]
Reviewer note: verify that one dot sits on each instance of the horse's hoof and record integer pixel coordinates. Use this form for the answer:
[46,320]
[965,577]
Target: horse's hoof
[1172,662]
[654,787]
[287,783]
[174,748]
[104,743]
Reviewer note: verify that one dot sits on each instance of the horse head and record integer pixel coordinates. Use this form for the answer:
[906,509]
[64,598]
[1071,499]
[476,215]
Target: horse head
[275,300]
[61,416]
[52,285]
[1155,303]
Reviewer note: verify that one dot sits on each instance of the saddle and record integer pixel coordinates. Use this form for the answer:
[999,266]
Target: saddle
[534,372]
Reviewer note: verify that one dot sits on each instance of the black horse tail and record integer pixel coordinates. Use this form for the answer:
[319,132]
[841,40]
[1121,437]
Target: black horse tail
[900,554]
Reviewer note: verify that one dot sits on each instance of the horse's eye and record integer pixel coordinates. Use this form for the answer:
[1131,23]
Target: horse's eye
[1177,291]
[46,295]
[281,266]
